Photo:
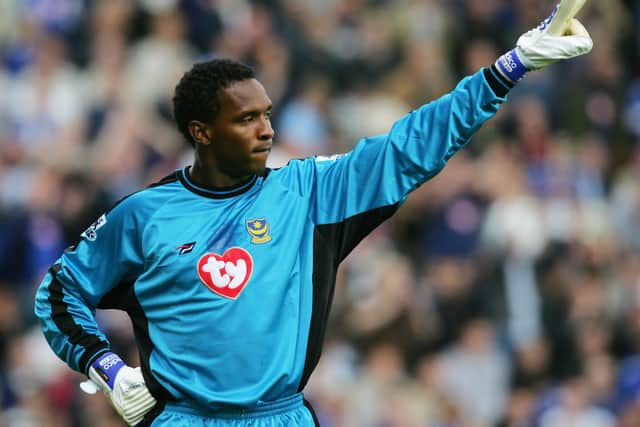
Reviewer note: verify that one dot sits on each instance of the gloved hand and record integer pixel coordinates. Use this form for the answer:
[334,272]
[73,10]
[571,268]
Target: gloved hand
[537,49]
[123,385]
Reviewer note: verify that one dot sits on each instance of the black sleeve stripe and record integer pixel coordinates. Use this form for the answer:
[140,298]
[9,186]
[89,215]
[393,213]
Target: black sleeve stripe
[64,321]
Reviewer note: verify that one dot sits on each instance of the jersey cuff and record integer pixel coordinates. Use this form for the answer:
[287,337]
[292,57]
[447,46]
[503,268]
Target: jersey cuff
[498,84]
[93,358]
[510,66]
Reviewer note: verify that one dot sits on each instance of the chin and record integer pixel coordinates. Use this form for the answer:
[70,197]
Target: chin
[260,170]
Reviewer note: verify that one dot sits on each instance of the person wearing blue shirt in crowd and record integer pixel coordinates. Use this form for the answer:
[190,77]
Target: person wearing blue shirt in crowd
[227,268]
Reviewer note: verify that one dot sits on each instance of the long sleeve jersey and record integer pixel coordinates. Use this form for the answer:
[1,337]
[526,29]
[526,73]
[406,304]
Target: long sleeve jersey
[229,290]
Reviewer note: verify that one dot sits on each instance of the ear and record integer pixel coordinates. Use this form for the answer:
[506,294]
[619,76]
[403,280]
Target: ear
[200,132]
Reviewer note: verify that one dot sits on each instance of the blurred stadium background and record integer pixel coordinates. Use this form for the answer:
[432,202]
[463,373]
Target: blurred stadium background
[506,291]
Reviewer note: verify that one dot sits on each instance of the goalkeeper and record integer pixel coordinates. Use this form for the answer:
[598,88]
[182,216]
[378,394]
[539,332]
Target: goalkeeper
[227,268]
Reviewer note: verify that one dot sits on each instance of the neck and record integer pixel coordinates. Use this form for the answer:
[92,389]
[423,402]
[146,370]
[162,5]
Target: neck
[208,175]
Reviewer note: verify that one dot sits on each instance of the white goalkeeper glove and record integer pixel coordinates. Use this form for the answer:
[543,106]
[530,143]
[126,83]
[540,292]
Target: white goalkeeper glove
[123,385]
[537,49]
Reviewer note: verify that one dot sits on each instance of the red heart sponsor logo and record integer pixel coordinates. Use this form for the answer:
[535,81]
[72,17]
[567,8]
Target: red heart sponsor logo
[226,274]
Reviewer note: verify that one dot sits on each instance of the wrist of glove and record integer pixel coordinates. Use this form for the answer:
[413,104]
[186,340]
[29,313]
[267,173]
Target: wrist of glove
[123,385]
[537,49]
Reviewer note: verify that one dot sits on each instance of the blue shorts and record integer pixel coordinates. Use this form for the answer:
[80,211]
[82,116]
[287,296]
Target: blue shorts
[289,411]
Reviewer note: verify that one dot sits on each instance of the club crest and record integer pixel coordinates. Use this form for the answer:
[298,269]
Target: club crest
[258,229]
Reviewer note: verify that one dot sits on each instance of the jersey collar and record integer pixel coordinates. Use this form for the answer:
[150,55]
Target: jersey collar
[217,192]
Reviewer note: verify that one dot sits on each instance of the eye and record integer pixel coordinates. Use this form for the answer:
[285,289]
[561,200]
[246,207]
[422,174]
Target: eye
[248,118]
[269,114]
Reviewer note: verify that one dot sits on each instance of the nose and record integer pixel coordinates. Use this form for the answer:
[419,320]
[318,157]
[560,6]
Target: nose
[266,131]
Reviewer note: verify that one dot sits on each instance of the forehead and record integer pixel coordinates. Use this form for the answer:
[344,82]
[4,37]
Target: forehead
[245,95]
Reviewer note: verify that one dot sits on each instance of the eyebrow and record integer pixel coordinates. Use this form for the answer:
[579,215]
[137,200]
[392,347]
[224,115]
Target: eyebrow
[254,111]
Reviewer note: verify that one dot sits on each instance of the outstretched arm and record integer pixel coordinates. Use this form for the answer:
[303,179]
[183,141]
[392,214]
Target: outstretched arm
[365,186]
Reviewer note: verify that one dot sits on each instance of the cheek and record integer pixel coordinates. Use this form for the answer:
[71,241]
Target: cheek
[236,145]
[241,138]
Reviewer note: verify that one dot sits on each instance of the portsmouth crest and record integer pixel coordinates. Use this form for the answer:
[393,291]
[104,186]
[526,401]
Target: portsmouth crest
[258,229]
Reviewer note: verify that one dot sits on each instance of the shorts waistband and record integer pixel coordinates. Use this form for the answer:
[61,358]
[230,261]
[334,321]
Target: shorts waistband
[276,407]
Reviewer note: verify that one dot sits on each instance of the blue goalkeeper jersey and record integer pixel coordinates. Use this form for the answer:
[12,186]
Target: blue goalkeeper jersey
[229,289]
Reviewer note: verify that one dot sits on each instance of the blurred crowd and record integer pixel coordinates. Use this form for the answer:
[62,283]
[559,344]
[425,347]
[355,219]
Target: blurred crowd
[504,293]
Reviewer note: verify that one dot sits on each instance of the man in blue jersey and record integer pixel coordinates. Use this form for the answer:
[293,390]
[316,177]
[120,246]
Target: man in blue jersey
[227,268]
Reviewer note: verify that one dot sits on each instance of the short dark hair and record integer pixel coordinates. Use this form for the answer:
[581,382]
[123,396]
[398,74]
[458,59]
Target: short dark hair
[197,96]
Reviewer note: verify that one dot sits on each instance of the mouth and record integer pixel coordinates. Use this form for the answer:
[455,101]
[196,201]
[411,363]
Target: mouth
[266,148]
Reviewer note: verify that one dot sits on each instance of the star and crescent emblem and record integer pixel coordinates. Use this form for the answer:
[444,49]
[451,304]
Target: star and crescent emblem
[258,229]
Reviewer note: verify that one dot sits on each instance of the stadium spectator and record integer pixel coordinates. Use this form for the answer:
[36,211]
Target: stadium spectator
[109,146]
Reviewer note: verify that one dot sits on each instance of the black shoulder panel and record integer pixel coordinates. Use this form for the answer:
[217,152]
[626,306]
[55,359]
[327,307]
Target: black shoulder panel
[331,244]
